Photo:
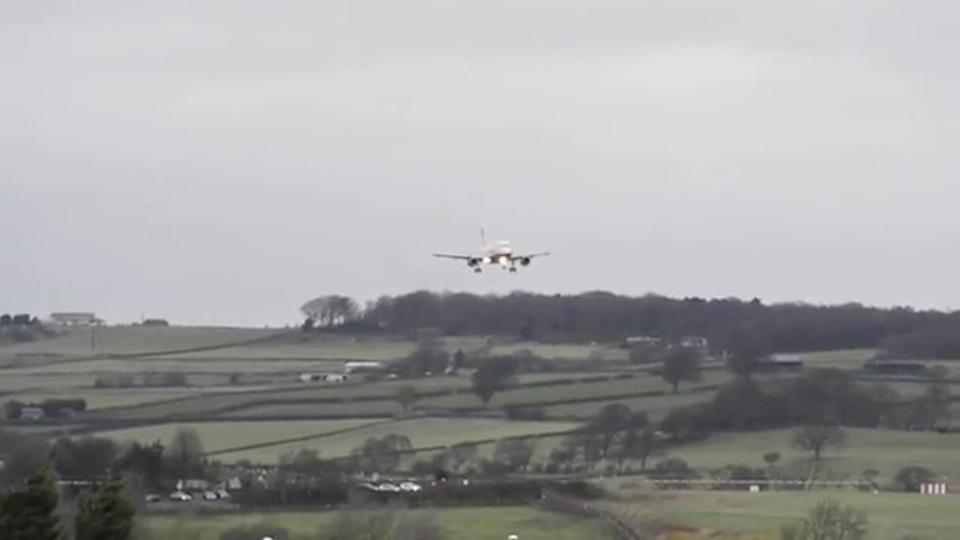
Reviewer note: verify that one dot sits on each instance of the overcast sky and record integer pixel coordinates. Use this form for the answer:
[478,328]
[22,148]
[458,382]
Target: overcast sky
[224,161]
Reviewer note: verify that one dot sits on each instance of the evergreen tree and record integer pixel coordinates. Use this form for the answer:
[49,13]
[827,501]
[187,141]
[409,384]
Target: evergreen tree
[105,514]
[30,513]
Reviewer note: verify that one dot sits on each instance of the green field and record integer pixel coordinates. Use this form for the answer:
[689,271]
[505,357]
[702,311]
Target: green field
[891,516]
[132,340]
[885,451]
[214,343]
[300,400]
[223,435]
[423,433]
[240,404]
[843,359]
[655,407]
[465,399]
[564,351]
[103,398]
[315,410]
[172,365]
[10,383]
[461,524]
[591,390]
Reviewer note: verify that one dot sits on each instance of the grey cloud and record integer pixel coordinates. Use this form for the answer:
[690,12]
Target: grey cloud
[221,161]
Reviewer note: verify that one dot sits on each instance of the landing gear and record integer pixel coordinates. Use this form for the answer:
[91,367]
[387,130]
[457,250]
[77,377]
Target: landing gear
[477,270]
[513,269]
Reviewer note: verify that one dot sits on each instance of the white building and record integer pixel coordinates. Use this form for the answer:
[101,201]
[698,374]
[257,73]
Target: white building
[74,318]
[324,377]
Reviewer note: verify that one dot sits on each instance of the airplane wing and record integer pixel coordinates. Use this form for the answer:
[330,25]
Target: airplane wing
[454,256]
[532,255]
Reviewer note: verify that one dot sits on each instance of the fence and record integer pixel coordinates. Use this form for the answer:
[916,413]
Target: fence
[933,489]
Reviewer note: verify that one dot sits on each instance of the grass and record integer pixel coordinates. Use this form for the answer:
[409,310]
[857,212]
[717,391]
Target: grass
[132,340]
[232,344]
[612,387]
[423,433]
[655,407]
[316,410]
[294,400]
[251,403]
[891,516]
[12,383]
[222,435]
[839,359]
[168,365]
[885,451]
[563,351]
[462,524]
[102,398]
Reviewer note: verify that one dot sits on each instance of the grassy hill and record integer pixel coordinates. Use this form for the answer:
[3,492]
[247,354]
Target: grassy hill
[885,451]
[462,524]
[333,438]
[891,516]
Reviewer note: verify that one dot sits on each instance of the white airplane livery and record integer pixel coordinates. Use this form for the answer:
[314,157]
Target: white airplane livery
[500,254]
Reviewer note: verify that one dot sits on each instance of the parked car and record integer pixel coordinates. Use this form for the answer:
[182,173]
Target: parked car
[181,496]
[389,488]
[411,487]
[369,486]
[152,498]
[210,496]
[222,494]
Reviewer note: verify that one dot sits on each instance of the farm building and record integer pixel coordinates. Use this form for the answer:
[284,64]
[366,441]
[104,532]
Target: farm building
[70,318]
[360,367]
[32,413]
[155,322]
[780,363]
[695,342]
[324,377]
[193,484]
[642,340]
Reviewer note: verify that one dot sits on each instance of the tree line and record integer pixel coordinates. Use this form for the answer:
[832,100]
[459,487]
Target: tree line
[607,317]
[22,327]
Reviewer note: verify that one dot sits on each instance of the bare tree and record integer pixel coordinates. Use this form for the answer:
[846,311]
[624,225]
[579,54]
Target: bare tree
[406,397]
[185,453]
[492,375]
[382,454]
[818,437]
[330,310]
[828,521]
[609,422]
[462,453]
[515,454]
[680,364]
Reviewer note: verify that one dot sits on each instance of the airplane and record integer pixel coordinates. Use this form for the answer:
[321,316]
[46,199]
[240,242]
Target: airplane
[501,254]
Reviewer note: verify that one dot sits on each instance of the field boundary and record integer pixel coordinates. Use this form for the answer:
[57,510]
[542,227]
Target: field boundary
[348,399]
[303,438]
[168,352]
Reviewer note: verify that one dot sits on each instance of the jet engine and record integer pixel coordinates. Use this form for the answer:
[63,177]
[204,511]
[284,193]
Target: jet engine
[525,261]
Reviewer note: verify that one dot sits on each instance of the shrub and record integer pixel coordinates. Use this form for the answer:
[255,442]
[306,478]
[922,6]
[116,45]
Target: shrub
[256,532]
[910,478]
[673,468]
[828,521]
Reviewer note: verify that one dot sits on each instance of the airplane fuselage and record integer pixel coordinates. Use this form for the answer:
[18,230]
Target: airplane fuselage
[500,254]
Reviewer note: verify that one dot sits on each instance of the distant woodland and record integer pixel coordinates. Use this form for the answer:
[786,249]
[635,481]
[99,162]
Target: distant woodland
[606,317]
